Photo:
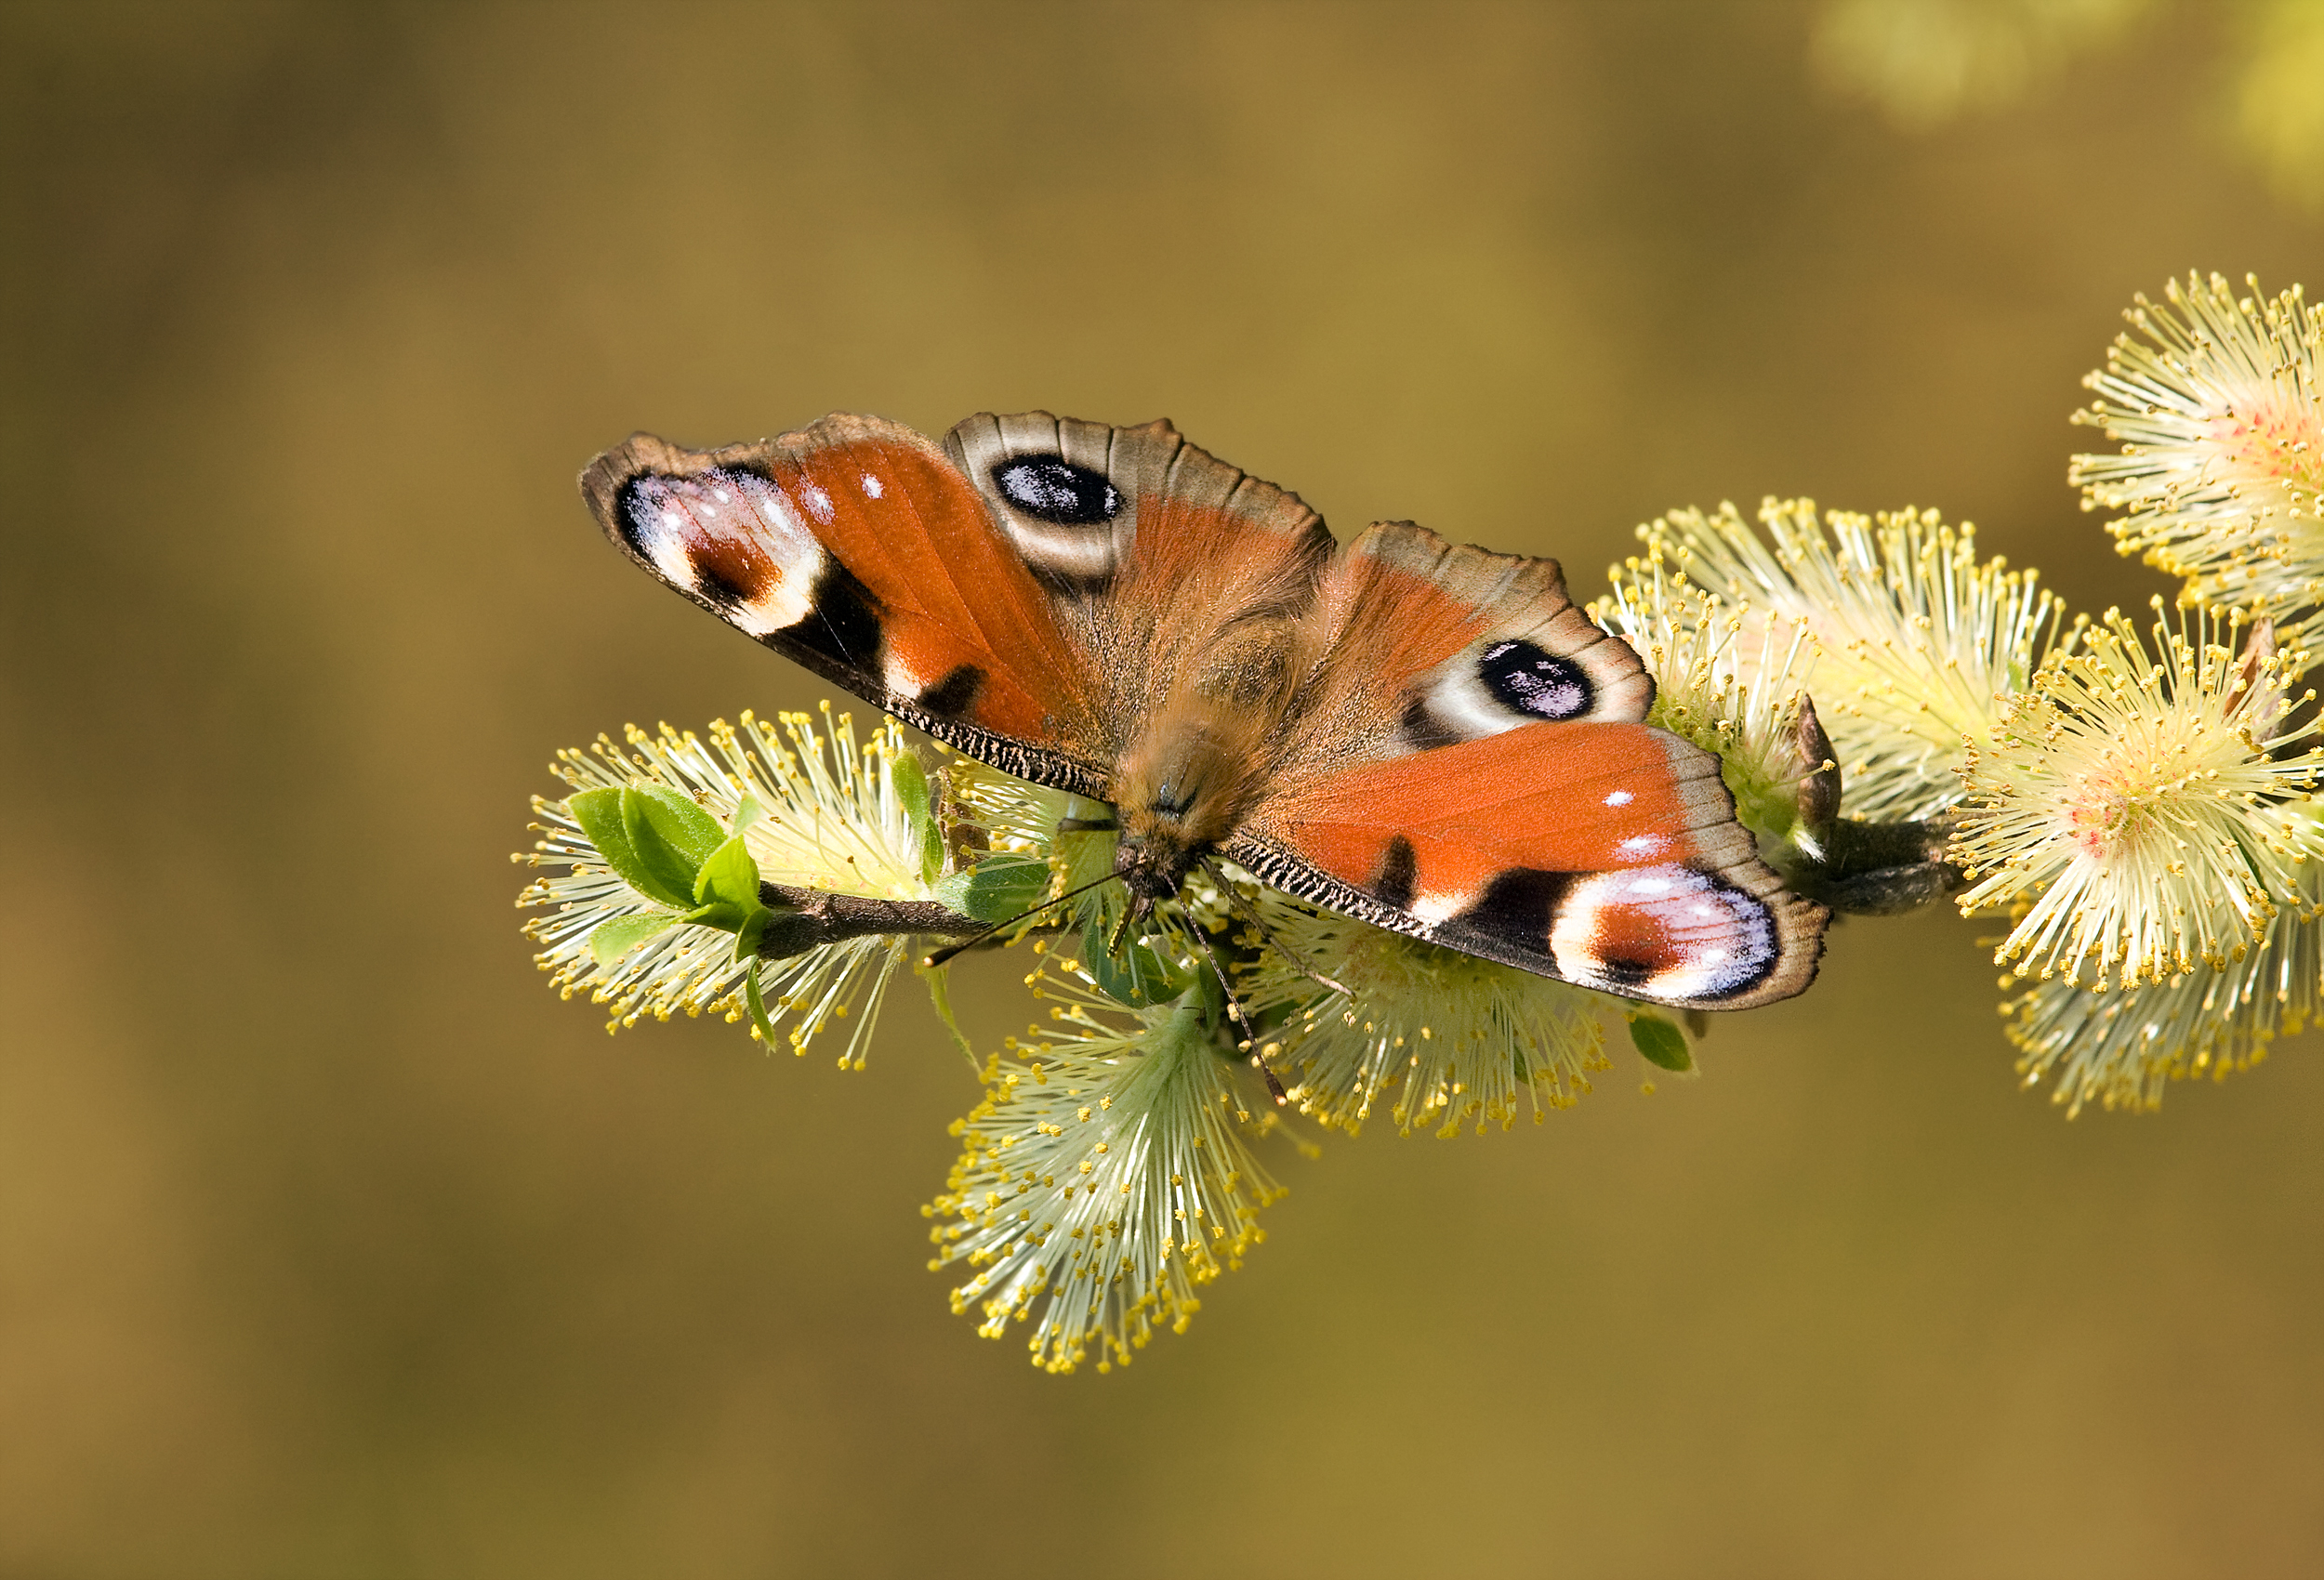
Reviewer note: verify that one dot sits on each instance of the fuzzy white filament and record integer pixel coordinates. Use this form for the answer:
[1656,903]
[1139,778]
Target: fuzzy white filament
[2220,412]
[1105,1177]
[1441,1040]
[2128,805]
[2121,1049]
[1916,638]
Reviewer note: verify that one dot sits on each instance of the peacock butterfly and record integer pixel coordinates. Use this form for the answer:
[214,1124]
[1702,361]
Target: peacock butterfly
[1431,738]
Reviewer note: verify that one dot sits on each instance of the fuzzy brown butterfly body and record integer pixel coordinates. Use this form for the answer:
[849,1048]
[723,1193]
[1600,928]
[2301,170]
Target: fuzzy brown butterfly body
[1431,738]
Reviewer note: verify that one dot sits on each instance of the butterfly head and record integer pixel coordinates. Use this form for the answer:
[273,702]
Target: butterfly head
[1149,873]
[1184,786]
[1170,822]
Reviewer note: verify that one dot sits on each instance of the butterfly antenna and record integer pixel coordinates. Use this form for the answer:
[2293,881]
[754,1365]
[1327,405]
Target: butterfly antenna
[944,956]
[1235,1013]
[1249,912]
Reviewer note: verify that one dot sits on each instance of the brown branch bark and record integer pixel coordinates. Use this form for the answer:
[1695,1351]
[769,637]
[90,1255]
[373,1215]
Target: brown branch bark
[805,918]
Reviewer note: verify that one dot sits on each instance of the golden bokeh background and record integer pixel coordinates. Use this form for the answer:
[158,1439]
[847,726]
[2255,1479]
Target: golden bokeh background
[332,1245]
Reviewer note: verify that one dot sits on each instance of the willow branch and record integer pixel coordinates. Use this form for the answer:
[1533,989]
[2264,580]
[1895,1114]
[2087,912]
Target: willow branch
[807,918]
[1879,869]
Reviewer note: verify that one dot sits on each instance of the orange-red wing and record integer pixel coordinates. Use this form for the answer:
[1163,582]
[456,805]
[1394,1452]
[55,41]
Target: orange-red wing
[1605,854]
[858,548]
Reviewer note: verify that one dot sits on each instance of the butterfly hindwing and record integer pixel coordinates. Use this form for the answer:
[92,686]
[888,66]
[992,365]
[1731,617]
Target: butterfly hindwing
[858,548]
[1434,643]
[1605,854]
[1470,766]
[1152,549]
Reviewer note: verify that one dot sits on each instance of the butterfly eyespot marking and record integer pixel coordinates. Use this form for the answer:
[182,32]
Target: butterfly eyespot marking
[1666,932]
[1526,679]
[730,538]
[1498,686]
[1049,488]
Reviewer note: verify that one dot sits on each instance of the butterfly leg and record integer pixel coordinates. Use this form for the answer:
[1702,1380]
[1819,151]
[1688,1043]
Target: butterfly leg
[1241,1018]
[1249,912]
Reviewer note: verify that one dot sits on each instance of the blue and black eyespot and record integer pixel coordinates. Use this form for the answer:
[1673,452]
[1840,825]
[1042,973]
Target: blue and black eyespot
[1050,488]
[1526,679]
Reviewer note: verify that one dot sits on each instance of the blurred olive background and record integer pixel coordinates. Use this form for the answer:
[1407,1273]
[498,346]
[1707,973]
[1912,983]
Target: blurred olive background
[332,1245]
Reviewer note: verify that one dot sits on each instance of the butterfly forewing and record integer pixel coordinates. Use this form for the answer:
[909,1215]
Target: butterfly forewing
[856,548]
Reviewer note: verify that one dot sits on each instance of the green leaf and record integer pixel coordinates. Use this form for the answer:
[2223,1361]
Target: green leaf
[997,890]
[747,812]
[752,933]
[691,831]
[610,940]
[1659,1043]
[599,814]
[667,845]
[932,852]
[919,805]
[632,830]
[1137,977]
[911,781]
[758,1004]
[723,914]
[729,875]
[940,995]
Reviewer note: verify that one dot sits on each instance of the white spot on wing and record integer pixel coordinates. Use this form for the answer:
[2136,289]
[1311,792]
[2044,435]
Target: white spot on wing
[1619,798]
[901,677]
[871,486]
[818,502]
[1434,907]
